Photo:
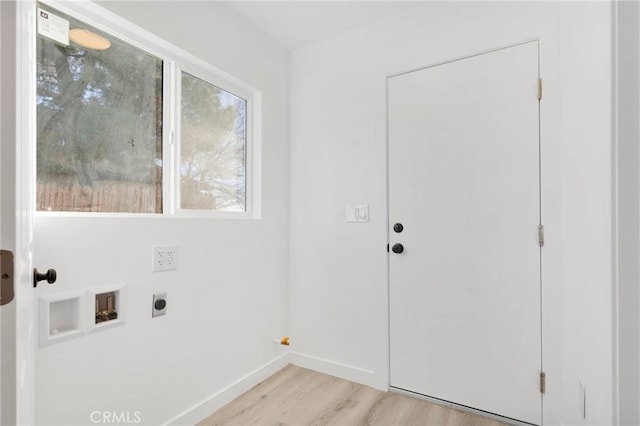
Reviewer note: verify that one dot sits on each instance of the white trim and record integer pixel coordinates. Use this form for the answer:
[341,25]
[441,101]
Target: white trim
[615,208]
[169,99]
[254,161]
[227,394]
[460,58]
[3,246]
[337,369]
[181,214]
[551,217]
[25,137]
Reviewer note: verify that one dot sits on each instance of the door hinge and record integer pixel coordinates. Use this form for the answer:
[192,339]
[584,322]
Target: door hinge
[6,277]
[539,89]
[543,382]
[540,235]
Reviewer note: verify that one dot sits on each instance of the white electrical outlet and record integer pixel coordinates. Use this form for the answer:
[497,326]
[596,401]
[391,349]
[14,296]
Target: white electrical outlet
[164,258]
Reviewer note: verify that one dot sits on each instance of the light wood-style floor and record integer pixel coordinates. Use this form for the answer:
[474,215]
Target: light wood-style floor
[297,396]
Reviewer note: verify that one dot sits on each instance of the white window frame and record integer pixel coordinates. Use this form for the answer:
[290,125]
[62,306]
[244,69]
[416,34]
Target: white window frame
[175,60]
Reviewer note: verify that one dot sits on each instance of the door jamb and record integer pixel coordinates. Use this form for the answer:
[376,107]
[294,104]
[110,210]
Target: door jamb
[26,328]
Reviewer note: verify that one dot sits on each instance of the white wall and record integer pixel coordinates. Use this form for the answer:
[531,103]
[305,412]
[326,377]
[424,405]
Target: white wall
[586,197]
[628,106]
[227,300]
[338,270]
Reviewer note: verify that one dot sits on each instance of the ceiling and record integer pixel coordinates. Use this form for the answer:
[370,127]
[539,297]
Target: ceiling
[294,24]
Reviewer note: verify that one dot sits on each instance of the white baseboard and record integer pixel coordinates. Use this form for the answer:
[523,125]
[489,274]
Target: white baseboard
[343,371]
[229,393]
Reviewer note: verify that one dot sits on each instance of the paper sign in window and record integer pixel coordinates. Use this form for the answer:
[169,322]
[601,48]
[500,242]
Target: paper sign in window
[52,26]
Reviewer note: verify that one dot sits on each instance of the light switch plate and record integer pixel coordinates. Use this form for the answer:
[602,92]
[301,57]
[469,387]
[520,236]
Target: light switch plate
[358,213]
[164,258]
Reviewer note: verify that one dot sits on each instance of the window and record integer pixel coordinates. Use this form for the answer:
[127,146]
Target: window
[99,126]
[105,137]
[212,147]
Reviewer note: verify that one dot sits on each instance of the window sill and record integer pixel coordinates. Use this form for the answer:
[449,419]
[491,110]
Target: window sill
[182,214]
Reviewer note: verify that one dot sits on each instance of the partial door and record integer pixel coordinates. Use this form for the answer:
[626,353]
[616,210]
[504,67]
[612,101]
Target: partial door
[17,84]
[464,187]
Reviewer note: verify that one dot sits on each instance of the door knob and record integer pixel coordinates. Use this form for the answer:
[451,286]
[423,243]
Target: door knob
[397,248]
[398,228]
[51,275]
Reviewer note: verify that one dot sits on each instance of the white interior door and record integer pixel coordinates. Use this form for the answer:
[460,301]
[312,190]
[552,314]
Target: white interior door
[464,181]
[17,103]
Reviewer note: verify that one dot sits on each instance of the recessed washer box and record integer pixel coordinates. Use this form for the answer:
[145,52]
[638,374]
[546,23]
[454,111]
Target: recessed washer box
[61,317]
[73,314]
[107,307]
